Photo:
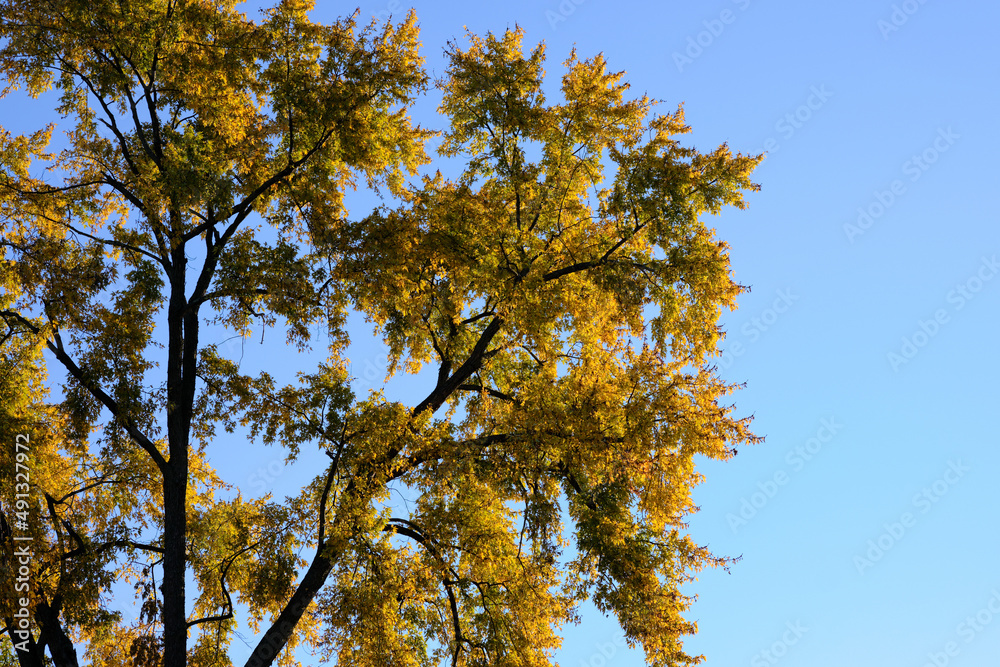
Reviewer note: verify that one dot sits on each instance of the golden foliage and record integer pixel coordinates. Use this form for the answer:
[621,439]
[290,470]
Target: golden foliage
[564,287]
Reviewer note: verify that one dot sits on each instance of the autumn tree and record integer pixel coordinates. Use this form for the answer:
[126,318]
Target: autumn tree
[563,291]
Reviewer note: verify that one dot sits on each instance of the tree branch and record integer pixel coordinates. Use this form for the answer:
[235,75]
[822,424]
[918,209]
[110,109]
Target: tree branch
[446,386]
[495,393]
[411,530]
[56,347]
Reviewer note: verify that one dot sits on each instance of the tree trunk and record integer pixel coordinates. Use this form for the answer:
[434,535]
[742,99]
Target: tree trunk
[60,645]
[175,477]
[281,630]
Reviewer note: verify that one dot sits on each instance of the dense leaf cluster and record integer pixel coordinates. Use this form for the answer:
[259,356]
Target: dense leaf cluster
[563,290]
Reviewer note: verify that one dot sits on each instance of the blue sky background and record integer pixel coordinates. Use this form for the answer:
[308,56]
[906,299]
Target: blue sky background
[867,520]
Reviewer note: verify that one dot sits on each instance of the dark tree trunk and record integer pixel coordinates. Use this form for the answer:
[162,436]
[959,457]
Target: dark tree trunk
[60,645]
[176,473]
[281,630]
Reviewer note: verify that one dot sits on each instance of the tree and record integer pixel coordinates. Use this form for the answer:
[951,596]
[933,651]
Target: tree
[563,290]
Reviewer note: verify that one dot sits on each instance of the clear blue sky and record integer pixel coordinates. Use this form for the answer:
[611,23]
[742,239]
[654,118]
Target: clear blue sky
[867,521]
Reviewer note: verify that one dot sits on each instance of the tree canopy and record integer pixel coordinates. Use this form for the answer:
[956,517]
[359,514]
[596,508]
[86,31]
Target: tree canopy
[561,289]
